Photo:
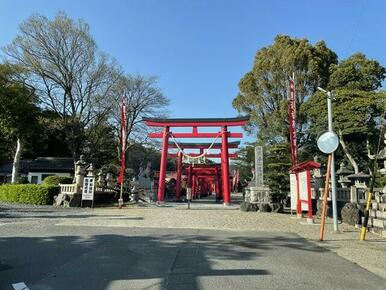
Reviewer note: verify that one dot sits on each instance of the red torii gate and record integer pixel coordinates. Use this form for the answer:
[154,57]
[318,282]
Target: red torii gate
[201,171]
[194,123]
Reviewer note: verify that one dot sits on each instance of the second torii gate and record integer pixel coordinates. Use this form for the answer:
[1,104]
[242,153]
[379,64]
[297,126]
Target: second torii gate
[223,123]
[202,147]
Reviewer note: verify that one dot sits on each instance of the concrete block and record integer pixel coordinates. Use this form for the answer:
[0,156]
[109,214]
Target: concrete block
[374,205]
[378,223]
[380,214]
[372,213]
[382,206]
[384,233]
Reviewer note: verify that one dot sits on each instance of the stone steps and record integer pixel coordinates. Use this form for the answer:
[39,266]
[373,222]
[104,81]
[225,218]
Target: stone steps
[378,223]
[377,219]
[378,231]
[377,214]
[378,206]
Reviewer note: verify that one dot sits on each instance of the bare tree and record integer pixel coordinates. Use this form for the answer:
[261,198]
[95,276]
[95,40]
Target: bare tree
[144,99]
[70,76]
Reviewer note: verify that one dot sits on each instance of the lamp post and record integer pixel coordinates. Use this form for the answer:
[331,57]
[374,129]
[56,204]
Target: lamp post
[333,181]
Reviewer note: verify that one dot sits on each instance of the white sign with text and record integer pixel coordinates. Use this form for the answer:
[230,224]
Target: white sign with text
[88,188]
[294,191]
[303,189]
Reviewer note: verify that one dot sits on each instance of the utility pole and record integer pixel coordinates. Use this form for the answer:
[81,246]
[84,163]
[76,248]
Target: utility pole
[333,181]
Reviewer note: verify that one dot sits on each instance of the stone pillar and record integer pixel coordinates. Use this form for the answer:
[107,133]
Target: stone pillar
[353,195]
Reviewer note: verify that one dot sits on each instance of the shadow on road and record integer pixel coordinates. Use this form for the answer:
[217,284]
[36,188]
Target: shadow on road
[164,261]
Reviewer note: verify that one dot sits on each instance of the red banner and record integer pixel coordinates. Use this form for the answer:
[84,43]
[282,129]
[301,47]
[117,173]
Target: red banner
[123,141]
[292,121]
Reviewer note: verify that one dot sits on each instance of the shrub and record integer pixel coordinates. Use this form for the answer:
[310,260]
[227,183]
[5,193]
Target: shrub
[55,180]
[22,180]
[28,193]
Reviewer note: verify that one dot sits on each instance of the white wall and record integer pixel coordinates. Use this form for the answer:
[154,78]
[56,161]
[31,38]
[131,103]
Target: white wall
[40,174]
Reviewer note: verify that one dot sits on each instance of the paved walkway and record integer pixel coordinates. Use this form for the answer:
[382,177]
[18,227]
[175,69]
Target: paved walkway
[206,247]
[370,254]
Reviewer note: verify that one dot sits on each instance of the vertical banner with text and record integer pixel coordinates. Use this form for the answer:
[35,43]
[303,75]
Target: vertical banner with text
[292,121]
[123,140]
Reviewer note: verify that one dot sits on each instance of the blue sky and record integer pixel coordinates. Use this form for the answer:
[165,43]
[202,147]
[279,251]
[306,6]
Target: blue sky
[201,49]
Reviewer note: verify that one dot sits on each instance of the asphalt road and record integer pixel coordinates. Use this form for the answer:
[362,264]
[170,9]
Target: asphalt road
[43,255]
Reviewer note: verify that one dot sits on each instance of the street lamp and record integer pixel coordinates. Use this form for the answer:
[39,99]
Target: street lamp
[333,182]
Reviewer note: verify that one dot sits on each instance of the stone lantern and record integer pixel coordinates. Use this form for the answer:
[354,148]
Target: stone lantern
[109,179]
[359,179]
[90,170]
[317,181]
[101,178]
[80,172]
[342,173]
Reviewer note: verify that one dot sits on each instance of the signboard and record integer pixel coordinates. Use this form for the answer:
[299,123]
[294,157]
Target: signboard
[294,191]
[88,188]
[303,190]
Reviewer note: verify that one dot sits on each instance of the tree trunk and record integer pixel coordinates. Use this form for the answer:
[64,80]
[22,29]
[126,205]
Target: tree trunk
[16,161]
[349,156]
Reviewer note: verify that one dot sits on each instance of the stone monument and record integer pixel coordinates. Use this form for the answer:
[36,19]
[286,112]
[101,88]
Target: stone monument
[258,195]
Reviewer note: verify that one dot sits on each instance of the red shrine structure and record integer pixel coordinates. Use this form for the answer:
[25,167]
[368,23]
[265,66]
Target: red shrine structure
[200,177]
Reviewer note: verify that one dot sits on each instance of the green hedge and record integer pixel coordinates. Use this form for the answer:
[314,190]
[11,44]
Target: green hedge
[55,180]
[28,193]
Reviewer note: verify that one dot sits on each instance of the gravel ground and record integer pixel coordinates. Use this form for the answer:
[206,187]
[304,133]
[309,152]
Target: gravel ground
[369,254]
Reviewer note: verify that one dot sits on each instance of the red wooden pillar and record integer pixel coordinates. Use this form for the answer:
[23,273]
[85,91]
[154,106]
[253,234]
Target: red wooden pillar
[194,187]
[190,171]
[220,192]
[218,185]
[179,174]
[225,166]
[162,170]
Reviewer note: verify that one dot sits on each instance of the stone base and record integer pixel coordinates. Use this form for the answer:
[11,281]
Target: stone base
[259,194]
[68,200]
[75,200]
[379,223]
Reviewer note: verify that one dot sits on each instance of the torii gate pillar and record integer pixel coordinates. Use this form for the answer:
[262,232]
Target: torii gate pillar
[179,175]
[225,166]
[164,160]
